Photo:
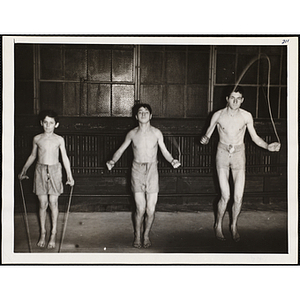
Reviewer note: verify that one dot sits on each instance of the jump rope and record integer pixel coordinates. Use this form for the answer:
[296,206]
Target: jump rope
[66,220]
[26,217]
[27,223]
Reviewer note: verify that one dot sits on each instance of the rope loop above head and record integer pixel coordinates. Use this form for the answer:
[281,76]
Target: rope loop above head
[262,55]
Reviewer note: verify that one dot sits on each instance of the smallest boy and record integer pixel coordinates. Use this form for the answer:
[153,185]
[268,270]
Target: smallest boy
[47,184]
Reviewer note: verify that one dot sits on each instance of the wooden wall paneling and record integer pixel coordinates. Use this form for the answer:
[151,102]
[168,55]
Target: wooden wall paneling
[71,99]
[23,62]
[51,96]
[283,77]
[250,77]
[168,184]
[254,184]
[196,185]
[219,100]
[24,84]
[152,67]
[24,97]
[276,184]
[75,61]
[197,96]
[83,98]
[153,95]
[174,105]
[250,100]
[275,61]
[99,65]
[99,99]
[225,68]
[198,68]
[51,66]
[122,65]
[283,103]
[175,67]
[122,100]
[263,105]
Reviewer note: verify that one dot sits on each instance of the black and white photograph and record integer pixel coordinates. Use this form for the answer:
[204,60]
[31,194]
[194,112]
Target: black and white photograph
[150,150]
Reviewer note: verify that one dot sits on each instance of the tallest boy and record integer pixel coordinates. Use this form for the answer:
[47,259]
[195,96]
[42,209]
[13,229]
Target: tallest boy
[232,122]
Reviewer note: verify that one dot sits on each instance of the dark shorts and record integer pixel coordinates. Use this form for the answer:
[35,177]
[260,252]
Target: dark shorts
[231,157]
[48,179]
[144,178]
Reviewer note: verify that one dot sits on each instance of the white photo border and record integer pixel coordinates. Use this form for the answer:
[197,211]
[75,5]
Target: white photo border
[8,255]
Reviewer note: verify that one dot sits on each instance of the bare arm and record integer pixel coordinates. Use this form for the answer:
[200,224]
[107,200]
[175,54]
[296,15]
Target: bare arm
[258,140]
[29,161]
[167,155]
[214,120]
[66,162]
[110,164]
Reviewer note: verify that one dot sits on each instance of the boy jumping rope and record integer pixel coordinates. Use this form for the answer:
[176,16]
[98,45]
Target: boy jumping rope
[145,140]
[232,123]
[47,183]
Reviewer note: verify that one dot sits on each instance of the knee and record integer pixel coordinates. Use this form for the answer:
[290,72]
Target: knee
[53,203]
[225,198]
[43,205]
[238,198]
[150,210]
[140,210]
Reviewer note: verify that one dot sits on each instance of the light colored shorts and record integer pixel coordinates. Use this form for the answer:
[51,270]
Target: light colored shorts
[48,180]
[229,156]
[144,178]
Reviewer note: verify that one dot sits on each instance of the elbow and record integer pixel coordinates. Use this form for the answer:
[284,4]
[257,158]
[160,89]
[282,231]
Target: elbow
[33,157]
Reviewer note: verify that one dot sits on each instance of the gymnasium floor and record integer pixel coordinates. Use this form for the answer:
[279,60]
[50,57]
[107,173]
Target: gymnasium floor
[172,232]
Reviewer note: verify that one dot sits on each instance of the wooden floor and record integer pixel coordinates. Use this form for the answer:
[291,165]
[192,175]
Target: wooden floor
[172,232]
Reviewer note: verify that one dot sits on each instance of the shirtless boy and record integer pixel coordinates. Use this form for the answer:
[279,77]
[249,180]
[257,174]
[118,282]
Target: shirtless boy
[145,140]
[232,122]
[48,172]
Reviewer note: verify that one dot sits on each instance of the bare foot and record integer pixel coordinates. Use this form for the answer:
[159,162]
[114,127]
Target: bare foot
[137,243]
[147,242]
[41,242]
[219,234]
[51,244]
[235,235]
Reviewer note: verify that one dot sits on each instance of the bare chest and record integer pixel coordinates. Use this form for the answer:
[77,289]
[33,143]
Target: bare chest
[144,141]
[232,125]
[46,145]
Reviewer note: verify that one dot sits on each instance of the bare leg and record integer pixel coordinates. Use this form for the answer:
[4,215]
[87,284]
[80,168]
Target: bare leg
[239,183]
[223,175]
[43,199]
[140,202]
[53,201]
[150,212]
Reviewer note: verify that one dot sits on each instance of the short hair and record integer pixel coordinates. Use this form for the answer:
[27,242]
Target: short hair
[234,89]
[48,113]
[139,105]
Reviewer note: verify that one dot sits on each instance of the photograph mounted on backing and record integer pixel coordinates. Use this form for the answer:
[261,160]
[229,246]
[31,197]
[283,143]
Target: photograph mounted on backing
[150,150]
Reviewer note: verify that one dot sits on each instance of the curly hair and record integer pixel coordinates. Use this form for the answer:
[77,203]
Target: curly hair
[48,113]
[139,105]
